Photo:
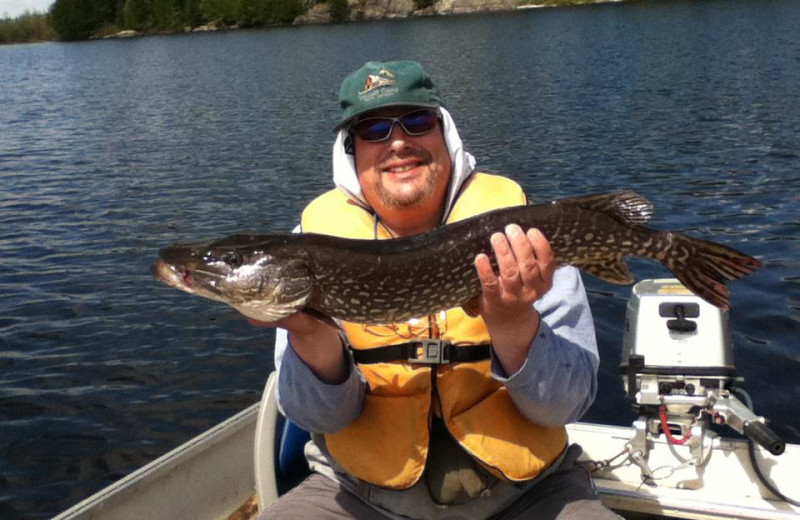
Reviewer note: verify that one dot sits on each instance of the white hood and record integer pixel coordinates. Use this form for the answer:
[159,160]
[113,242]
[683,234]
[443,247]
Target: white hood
[463,164]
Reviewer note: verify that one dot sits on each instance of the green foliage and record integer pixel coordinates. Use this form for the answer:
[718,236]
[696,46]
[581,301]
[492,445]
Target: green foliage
[165,15]
[251,12]
[29,27]
[151,15]
[282,12]
[106,30]
[136,14]
[223,11]
[422,4]
[340,10]
[73,19]
[190,13]
[78,19]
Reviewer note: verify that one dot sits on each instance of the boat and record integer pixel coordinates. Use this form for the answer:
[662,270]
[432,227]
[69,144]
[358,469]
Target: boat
[672,462]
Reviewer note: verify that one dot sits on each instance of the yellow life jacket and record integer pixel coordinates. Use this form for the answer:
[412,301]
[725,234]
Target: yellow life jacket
[387,445]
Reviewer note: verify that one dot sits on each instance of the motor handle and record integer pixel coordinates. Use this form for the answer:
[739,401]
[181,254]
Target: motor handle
[762,435]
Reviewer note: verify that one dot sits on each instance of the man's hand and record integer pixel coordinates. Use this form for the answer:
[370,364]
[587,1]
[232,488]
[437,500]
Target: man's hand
[317,343]
[526,264]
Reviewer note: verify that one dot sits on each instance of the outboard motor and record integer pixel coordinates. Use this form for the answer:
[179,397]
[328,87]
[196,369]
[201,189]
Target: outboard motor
[678,371]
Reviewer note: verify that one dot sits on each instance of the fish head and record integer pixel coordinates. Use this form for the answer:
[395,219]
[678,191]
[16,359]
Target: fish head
[253,277]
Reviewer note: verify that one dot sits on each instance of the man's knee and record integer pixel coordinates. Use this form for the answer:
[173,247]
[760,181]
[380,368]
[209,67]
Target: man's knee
[587,509]
[319,498]
[312,498]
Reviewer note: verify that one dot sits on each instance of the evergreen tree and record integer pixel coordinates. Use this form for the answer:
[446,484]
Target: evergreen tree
[137,15]
[250,12]
[225,11]
[152,15]
[340,10]
[190,13]
[78,19]
[283,12]
[165,15]
[28,27]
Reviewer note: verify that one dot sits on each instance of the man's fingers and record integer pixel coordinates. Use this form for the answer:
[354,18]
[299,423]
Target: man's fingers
[524,254]
[525,265]
[486,274]
[506,260]
[545,257]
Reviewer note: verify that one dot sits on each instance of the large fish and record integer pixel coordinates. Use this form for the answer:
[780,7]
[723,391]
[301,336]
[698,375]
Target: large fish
[268,277]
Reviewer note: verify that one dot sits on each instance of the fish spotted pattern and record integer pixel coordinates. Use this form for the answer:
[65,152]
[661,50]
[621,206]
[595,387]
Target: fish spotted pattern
[268,277]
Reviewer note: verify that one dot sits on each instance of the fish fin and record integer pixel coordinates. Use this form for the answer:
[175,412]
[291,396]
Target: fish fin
[704,266]
[263,313]
[323,318]
[627,207]
[473,307]
[611,271]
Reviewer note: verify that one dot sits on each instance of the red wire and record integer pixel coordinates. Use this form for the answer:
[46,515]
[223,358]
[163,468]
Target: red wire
[662,414]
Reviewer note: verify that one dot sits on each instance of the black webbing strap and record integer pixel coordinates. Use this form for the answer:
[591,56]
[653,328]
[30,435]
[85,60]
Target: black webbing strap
[424,351]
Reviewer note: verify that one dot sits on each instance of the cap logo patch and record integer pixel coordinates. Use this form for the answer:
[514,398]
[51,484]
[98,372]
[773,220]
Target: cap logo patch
[378,85]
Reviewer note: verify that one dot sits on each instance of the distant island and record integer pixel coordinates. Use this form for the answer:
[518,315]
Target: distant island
[92,19]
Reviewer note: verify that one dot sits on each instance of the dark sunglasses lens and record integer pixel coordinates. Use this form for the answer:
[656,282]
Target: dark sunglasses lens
[419,122]
[374,129]
[378,128]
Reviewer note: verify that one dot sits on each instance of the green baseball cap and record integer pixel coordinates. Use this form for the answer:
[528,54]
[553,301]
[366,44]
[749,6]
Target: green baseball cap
[385,84]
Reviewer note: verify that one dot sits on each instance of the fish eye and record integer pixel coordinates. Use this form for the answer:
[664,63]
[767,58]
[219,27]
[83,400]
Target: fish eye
[233,259]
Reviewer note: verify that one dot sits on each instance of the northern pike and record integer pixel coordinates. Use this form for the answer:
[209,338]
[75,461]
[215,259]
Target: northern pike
[268,277]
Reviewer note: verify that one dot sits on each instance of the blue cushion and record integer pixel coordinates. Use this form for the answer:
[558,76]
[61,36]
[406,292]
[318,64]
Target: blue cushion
[290,453]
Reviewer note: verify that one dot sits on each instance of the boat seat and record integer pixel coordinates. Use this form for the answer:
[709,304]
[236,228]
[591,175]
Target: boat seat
[279,460]
[291,456]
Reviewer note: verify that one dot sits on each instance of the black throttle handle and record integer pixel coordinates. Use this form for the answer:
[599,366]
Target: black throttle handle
[762,435]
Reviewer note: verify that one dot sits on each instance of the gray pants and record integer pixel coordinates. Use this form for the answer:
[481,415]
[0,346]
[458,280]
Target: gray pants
[567,494]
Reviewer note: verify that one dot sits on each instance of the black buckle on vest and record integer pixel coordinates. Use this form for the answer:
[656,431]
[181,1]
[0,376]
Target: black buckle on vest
[430,352]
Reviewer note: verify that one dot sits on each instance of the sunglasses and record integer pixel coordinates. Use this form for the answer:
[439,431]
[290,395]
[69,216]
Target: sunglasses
[375,129]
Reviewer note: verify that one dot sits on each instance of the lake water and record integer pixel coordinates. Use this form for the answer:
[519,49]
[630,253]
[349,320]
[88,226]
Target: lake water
[110,150]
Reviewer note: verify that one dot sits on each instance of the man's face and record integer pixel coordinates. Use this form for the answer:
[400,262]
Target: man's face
[403,170]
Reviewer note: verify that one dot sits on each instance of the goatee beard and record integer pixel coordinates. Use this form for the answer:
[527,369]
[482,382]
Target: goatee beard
[403,200]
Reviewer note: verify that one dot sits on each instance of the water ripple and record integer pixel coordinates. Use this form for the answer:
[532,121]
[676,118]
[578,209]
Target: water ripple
[110,150]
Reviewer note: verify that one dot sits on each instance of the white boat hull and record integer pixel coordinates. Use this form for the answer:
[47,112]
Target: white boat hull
[211,476]
[207,478]
[725,486]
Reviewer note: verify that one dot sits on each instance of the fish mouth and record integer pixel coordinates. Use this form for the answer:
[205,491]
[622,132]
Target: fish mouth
[185,278]
[177,263]
[172,275]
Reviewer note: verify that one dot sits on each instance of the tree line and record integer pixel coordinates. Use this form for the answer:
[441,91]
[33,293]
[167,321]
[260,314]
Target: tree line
[81,19]
[77,19]
[29,27]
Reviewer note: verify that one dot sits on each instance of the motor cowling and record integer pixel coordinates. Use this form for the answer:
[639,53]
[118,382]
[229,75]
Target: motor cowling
[678,370]
[676,346]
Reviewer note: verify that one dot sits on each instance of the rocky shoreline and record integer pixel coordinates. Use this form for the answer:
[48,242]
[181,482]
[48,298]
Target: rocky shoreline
[382,9]
[360,10]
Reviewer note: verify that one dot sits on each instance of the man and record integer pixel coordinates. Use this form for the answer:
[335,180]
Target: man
[479,436]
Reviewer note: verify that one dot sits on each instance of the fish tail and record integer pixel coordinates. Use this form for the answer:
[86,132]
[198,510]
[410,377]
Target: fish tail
[704,266]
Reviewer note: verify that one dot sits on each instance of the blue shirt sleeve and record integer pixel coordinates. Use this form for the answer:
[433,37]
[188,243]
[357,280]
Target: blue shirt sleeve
[310,403]
[558,381]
